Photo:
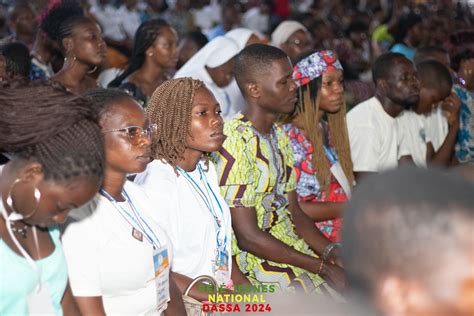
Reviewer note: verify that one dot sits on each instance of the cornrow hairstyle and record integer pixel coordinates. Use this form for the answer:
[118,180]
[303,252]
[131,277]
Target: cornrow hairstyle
[104,99]
[59,20]
[170,108]
[42,122]
[17,60]
[145,36]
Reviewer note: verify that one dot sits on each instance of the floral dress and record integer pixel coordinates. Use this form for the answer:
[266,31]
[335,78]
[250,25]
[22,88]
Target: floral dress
[256,170]
[308,188]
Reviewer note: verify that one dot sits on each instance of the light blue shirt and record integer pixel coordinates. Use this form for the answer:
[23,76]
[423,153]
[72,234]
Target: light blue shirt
[18,279]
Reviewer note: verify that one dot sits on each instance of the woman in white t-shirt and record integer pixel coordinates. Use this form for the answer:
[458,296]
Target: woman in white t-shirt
[184,184]
[118,256]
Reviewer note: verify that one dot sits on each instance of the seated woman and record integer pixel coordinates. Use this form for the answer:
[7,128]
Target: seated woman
[118,256]
[213,64]
[322,154]
[81,41]
[154,54]
[56,163]
[184,184]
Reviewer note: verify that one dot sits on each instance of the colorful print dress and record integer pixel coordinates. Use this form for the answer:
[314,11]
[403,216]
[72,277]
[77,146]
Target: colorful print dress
[256,170]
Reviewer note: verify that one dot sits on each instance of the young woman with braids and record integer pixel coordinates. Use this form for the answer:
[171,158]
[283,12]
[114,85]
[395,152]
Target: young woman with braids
[118,232]
[321,149]
[80,39]
[154,53]
[184,184]
[56,163]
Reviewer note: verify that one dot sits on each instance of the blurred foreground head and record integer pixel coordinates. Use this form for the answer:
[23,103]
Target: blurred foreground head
[408,243]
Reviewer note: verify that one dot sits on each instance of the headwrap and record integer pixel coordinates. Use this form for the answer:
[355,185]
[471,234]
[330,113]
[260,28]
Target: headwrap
[284,30]
[214,54]
[241,36]
[314,66]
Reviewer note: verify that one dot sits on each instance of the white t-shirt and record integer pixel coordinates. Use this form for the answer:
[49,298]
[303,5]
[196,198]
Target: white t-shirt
[412,136]
[436,127]
[186,218]
[104,259]
[256,21]
[110,20]
[372,136]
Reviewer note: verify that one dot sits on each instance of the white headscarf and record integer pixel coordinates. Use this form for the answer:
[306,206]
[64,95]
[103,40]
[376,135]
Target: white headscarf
[284,30]
[214,54]
[241,36]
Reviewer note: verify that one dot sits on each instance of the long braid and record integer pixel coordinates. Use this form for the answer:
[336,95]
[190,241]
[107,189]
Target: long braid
[43,122]
[170,108]
[145,37]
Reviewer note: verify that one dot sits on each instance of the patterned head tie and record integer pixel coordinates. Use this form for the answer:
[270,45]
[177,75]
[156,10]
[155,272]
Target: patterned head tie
[314,66]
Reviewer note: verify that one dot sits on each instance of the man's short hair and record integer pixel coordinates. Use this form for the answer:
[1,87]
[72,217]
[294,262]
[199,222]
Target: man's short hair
[253,60]
[405,223]
[434,75]
[384,64]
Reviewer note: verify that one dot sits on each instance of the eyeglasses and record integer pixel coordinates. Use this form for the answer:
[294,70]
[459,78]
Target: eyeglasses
[135,133]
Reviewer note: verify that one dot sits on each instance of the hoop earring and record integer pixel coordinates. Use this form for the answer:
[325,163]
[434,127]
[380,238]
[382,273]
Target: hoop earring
[16,215]
[92,70]
[73,60]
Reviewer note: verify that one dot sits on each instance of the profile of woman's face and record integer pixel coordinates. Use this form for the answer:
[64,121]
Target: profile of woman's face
[332,91]
[88,45]
[223,74]
[164,49]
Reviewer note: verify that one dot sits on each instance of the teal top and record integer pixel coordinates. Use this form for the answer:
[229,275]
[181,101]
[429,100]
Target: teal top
[18,279]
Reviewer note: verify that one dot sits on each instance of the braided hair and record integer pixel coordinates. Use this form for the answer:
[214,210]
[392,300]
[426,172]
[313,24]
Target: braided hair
[104,99]
[170,108]
[145,36]
[59,20]
[17,59]
[308,107]
[42,122]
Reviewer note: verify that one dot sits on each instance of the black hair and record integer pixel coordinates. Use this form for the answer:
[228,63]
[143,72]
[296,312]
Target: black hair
[145,36]
[356,26]
[59,21]
[103,99]
[18,9]
[255,59]
[41,121]
[434,75]
[197,37]
[396,223]
[384,64]
[426,53]
[17,60]
[405,25]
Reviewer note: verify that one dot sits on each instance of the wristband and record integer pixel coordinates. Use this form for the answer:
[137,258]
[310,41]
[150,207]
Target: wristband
[327,250]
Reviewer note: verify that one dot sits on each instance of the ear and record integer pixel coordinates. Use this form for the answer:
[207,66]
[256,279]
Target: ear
[399,297]
[68,44]
[149,51]
[381,84]
[31,171]
[253,90]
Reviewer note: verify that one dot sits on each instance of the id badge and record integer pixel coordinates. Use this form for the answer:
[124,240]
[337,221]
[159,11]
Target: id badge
[162,275]
[40,302]
[221,269]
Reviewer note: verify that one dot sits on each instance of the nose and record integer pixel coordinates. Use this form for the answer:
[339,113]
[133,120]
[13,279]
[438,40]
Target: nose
[293,85]
[216,120]
[339,88]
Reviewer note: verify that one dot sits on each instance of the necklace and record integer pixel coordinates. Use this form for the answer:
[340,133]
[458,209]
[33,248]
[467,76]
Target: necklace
[22,231]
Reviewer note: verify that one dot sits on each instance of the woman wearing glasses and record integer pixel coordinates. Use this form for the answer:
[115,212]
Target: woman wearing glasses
[118,257]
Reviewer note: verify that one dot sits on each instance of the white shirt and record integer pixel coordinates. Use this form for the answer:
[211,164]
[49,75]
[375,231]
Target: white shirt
[187,220]
[256,21]
[104,259]
[412,136]
[130,20]
[110,20]
[372,136]
[436,127]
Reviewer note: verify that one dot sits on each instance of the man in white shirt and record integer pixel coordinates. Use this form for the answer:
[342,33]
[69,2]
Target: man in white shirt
[371,124]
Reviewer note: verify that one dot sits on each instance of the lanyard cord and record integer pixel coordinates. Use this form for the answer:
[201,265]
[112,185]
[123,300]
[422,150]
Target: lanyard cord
[136,218]
[206,198]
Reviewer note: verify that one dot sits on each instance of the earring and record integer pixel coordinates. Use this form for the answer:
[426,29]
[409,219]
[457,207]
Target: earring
[16,215]
[73,59]
[92,70]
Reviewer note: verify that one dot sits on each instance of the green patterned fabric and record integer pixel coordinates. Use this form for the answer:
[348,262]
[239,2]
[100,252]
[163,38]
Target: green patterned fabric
[256,170]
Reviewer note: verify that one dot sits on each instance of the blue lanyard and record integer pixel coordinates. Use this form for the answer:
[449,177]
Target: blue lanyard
[143,227]
[205,197]
[331,156]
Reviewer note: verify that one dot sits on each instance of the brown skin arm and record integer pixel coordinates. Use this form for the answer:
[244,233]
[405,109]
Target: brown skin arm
[175,305]
[182,283]
[90,305]
[405,161]
[359,176]
[322,211]
[237,276]
[68,303]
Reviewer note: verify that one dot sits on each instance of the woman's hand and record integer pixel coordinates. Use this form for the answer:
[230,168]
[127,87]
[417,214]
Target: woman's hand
[334,276]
